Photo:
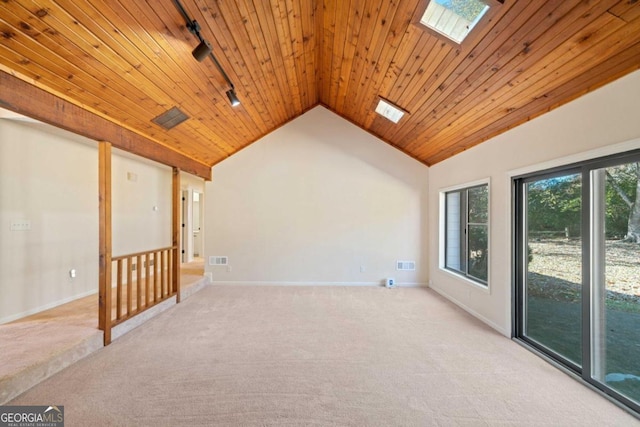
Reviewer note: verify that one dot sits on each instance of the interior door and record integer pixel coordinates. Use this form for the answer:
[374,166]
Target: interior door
[184,238]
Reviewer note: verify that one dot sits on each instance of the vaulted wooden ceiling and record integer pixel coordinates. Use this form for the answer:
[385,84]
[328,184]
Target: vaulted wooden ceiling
[128,61]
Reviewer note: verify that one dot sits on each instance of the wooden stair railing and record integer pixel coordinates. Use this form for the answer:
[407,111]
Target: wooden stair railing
[142,280]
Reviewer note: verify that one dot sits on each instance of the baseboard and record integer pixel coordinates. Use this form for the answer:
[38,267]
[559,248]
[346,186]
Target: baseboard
[46,307]
[473,313]
[284,283]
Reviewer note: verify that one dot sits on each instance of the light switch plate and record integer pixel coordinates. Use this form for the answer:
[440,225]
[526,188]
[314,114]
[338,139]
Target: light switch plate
[22,225]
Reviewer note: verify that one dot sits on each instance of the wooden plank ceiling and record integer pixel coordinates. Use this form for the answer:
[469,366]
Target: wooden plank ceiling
[129,61]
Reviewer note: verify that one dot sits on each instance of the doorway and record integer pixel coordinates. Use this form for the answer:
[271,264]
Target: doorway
[577,292]
[197,225]
[184,234]
[192,225]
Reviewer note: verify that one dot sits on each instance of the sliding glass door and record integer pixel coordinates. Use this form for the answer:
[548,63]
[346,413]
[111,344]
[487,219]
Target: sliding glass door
[578,270]
[615,317]
[553,264]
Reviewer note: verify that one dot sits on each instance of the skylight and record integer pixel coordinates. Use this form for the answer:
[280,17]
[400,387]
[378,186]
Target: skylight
[453,18]
[389,111]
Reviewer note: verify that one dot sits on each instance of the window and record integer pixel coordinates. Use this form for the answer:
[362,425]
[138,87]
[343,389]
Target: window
[466,249]
[453,18]
[577,294]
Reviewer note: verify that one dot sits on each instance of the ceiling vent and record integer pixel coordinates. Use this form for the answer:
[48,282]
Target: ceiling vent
[170,118]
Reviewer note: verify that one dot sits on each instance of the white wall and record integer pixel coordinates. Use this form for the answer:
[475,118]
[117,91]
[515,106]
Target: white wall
[312,203]
[596,121]
[141,204]
[49,177]
[52,182]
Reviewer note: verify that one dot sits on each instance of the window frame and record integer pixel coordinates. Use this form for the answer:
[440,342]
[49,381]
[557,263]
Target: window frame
[473,34]
[443,235]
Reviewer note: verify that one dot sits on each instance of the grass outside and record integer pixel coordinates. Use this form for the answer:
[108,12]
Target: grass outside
[554,306]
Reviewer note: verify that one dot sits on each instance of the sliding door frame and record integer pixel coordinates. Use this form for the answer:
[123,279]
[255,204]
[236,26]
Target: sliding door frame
[519,254]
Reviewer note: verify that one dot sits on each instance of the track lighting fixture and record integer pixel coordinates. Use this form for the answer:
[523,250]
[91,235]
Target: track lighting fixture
[233,98]
[204,49]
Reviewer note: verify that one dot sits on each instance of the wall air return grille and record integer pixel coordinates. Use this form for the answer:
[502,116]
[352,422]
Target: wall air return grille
[405,265]
[171,118]
[218,260]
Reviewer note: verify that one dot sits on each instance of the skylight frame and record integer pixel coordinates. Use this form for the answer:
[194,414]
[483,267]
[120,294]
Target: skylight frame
[448,24]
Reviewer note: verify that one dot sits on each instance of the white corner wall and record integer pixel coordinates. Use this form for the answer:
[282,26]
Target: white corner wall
[599,123]
[318,201]
[141,204]
[49,177]
[51,182]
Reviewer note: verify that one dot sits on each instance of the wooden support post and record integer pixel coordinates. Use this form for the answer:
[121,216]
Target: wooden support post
[104,207]
[176,232]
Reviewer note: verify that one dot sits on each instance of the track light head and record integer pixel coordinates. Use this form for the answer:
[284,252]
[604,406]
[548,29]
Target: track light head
[202,50]
[233,98]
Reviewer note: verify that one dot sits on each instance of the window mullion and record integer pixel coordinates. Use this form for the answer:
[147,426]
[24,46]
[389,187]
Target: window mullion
[464,226]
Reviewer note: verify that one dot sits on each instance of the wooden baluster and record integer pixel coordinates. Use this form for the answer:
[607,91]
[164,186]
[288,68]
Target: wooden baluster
[170,273]
[139,284]
[162,274]
[129,284]
[119,290]
[155,276]
[146,280]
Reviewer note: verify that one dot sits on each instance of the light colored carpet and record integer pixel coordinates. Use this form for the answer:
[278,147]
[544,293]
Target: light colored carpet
[35,347]
[318,356]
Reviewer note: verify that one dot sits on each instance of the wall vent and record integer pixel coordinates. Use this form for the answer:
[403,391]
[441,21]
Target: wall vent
[218,260]
[405,265]
[171,118]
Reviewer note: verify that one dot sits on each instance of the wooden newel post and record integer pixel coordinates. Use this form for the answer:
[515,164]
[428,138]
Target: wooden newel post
[175,232]
[104,208]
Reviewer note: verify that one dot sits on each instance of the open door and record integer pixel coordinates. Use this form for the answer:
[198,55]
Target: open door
[184,237]
[196,223]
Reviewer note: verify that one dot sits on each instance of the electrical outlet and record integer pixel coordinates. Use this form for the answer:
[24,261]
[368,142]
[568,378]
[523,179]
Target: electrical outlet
[72,273]
[228,269]
[362,269]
